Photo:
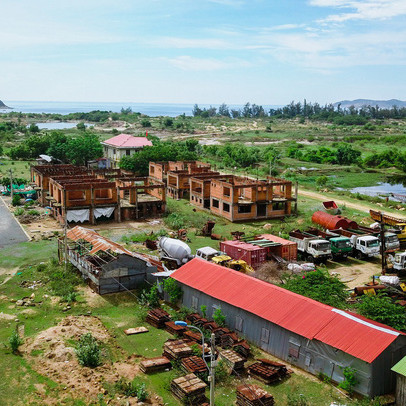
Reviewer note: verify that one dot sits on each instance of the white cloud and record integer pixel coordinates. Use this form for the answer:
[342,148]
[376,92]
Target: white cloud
[183,43]
[189,63]
[362,9]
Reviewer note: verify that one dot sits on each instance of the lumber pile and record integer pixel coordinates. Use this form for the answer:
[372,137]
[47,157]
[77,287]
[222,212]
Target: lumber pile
[155,365]
[243,348]
[191,318]
[268,371]
[211,325]
[172,328]
[177,349]
[191,335]
[189,389]
[157,318]
[200,322]
[194,365]
[253,395]
[220,332]
[228,340]
[233,361]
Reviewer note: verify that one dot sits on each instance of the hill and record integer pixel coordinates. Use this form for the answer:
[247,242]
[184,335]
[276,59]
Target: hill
[358,103]
[3,106]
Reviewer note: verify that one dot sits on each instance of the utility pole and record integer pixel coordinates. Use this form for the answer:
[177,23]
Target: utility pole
[383,248]
[66,231]
[212,367]
[11,186]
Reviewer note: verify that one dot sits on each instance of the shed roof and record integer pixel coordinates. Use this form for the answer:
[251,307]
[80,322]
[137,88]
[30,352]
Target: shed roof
[400,367]
[355,335]
[128,141]
[242,245]
[275,238]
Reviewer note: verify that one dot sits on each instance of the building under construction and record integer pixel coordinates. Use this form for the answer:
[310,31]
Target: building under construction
[77,194]
[237,198]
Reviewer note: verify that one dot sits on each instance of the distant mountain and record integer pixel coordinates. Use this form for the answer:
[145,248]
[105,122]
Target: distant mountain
[358,103]
[3,106]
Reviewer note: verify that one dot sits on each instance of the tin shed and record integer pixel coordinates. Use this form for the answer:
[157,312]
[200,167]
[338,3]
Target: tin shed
[315,337]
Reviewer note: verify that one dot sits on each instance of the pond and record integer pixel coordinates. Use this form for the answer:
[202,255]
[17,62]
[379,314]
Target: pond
[60,125]
[382,190]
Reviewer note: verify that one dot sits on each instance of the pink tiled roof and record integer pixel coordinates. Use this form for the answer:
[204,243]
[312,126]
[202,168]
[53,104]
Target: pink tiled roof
[128,141]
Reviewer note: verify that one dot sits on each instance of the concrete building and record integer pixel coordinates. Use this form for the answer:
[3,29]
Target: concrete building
[105,265]
[311,335]
[238,199]
[122,145]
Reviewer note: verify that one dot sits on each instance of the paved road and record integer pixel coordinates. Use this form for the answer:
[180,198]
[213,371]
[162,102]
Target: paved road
[10,230]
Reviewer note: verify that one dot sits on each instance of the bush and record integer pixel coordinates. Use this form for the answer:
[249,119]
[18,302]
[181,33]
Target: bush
[145,122]
[203,309]
[16,200]
[221,373]
[349,381]
[132,389]
[15,341]
[33,212]
[18,211]
[88,351]
[151,297]
[219,317]
[173,290]
[297,399]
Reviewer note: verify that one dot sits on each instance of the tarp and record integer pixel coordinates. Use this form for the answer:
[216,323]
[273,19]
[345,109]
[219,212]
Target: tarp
[103,211]
[78,215]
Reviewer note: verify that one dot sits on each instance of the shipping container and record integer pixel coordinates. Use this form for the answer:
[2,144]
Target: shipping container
[249,253]
[287,250]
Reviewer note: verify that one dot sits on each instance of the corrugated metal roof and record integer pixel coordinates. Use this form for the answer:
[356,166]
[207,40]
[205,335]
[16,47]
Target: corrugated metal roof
[275,238]
[400,367]
[241,244]
[128,141]
[348,332]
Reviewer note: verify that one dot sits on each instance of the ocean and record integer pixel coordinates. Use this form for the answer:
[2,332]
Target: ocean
[149,109]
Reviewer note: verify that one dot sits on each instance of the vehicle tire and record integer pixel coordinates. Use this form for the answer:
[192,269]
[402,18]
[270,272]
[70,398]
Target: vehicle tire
[358,255]
[310,258]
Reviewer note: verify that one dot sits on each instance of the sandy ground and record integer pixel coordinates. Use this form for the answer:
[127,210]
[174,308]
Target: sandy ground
[58,360]
[357,206]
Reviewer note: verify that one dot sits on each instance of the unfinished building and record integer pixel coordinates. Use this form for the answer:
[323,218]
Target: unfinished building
[79,195]
[159,170]
[237,198]
[105,265]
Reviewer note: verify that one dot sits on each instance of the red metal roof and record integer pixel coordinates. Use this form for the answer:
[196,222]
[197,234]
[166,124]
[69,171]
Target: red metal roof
[128,141]
[348,332]
[243,245]
[275,238]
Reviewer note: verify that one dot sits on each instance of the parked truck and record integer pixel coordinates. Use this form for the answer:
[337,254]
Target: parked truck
[363,245]
[399,261]
[174,252]
[340,246]
[311,248]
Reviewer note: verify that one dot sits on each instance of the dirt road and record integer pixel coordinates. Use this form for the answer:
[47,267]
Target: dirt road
[357,206]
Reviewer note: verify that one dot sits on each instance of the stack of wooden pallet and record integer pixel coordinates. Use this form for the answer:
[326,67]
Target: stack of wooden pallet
[200,322]
[268,371]
[243,348]
[155,365]
[191,335]
[233,361]
[220,332]
[177,349]
[228,340]
[157,318]
[280,368]
[211,326]
[193,365]
[191,318]
[189,389]
[253,395]
[172,328]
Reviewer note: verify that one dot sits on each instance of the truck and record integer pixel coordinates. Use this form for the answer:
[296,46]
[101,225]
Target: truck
[313,249]
[208,253]
[399,224]
[399,261]
[340,246]
[174,252]
[363,245]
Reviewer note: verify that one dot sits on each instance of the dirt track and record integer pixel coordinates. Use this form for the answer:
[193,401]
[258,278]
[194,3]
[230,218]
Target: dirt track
[357,206]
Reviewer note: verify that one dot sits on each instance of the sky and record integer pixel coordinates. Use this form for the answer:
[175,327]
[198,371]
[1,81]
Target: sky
[202,51]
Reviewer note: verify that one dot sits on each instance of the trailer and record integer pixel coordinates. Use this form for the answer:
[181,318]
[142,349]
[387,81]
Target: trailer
[340,245]
[311,248]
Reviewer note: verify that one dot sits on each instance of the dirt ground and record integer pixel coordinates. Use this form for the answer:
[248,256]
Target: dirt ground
[59,363]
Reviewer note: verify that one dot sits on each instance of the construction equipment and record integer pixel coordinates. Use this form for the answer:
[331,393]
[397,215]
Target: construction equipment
[398,223]
[174,251]
[399,261]
[313,249]
[340,246]
[228,262]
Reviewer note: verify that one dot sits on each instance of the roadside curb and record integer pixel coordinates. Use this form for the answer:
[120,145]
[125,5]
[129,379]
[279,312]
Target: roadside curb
[15,218]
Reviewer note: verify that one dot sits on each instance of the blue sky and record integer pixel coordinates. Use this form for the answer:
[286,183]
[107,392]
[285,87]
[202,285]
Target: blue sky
[206,51]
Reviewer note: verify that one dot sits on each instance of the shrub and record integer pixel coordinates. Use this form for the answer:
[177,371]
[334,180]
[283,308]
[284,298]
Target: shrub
[33,212]
[173,290]
[70,297]
[18,211]
[151,297]
[219,317]
[221,373]
[16,200]
[203,309]
[132,389]
[349,381]
[145,122]
[297,399]
[88,351]
[15,341]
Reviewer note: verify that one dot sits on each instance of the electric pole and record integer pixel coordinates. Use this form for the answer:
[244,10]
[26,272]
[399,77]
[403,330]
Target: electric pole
[11,186]
[212,367]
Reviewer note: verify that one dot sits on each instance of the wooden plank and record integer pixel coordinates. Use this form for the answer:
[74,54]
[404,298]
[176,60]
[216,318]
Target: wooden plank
[136,330]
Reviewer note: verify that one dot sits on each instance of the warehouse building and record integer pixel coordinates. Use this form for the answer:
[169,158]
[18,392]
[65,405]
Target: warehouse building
[302,331]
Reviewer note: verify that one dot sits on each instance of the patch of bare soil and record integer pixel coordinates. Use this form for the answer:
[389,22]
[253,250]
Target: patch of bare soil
[6,316]
[356,274]
[59,363]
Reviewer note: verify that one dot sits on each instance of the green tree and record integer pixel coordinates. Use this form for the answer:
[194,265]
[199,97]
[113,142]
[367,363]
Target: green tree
[81,126]
[33,128]
[82,149]
[58,145]
[173,290]
[346,155]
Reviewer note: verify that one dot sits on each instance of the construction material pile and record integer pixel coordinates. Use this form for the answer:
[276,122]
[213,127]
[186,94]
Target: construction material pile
[172,328]
[158,318]
[189,389]
[177,349]
[228,340]
[233,361]
[193,365]
[253,395]
[268,371]
[191,335]
[243,348]
[155,365]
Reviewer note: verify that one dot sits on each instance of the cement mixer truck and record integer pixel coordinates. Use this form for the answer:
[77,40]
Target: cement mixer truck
[174,252]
